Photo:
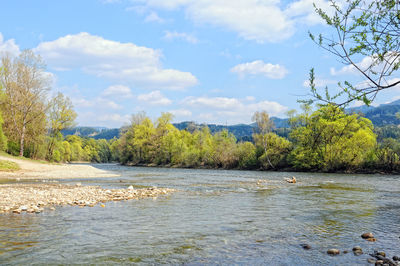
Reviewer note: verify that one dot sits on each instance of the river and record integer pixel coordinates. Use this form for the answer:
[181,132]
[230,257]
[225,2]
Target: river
[217,217]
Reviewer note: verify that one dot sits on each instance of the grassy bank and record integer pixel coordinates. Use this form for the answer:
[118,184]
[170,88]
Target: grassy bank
[8,166]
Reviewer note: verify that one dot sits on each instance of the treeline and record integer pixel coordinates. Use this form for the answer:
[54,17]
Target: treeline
[328,139]
[324,140]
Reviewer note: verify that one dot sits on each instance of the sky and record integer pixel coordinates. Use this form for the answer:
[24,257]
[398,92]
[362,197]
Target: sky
[208,61]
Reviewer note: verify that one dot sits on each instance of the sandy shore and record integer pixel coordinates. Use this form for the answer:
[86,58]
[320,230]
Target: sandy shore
[34,198]
[36,170]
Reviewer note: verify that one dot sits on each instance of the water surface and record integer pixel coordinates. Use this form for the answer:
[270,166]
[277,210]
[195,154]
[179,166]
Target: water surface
[217,217]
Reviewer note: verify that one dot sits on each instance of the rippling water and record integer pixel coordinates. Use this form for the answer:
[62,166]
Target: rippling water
[217,217]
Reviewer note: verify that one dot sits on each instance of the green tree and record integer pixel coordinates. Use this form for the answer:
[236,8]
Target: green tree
[261,135]
[332,140]
[61,115]
[361,29]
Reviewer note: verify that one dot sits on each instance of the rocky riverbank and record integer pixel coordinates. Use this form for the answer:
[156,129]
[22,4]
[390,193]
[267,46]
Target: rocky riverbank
[35,198]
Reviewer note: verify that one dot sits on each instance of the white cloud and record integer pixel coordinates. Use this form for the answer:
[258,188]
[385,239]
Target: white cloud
[153,17]
[8,46]
[258,67]
[137,65]
[119,91]
[367,64]
[258,20]
[215,102]
[181,113]
[154,98]
[230,110]
[171,35]
[98,102]
[303,10]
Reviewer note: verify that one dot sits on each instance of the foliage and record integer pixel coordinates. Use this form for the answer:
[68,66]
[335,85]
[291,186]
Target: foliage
[330,140]
[362,29]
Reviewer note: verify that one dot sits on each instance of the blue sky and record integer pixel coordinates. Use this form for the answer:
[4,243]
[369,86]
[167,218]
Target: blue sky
[213,61]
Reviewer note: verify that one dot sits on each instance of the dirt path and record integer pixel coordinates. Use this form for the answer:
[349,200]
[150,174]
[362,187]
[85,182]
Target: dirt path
[36,170]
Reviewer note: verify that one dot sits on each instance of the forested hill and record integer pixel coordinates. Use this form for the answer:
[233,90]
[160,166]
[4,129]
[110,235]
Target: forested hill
[382,115]
[93,132]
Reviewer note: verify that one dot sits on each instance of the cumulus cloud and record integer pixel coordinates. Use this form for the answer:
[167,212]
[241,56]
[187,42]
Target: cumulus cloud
[172,35]
[98,102]
[119,91]
[230,110]
[137,65]
[258,67]
[8,46]
[154,98]
[181,113]
[257,20]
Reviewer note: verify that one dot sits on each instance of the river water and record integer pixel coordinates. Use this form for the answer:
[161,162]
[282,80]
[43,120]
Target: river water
[217,217]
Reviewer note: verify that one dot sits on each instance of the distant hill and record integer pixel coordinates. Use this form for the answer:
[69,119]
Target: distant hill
[93,132]
[242,132]
[382,115]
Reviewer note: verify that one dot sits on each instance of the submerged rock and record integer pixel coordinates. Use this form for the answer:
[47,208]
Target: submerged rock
[333,251]
[306,246]
[367,235]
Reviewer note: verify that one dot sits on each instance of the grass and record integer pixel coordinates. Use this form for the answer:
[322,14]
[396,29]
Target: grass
[8,166]
[2,153]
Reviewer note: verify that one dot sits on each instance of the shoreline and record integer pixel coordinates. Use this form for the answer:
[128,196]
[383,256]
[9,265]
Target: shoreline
[289,170]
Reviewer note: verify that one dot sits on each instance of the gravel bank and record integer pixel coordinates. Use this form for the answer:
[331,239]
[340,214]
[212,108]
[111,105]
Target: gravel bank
[34,198]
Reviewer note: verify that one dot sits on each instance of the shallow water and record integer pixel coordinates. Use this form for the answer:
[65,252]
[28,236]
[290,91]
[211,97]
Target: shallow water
[217,217]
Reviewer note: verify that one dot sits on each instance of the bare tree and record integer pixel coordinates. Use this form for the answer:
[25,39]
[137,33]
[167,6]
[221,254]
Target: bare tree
[25,86]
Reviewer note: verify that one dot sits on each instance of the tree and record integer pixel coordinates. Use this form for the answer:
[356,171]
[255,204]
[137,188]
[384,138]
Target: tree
[61,115]
[367,30]
[25,86]
[332,140]
[261,135]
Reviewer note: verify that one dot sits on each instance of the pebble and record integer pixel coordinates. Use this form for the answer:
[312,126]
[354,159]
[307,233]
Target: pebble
[372,239]
[370,260]
[379,262]
[130,187]
[333,251]
[396,258]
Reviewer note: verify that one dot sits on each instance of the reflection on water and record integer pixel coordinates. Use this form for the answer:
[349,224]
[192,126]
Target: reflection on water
[217,217]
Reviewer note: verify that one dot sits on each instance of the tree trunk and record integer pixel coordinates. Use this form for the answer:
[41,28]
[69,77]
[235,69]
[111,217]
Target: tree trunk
[21,148]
